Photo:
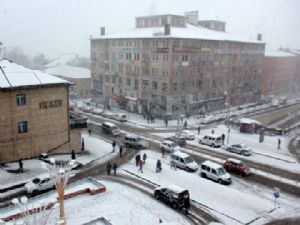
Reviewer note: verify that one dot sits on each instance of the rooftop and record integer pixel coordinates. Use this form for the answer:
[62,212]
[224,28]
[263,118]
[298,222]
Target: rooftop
[69,71]
[13,75]
[278,53]
[188,32]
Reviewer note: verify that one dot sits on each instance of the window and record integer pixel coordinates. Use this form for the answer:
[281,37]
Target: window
[22,127]
[154,85]
[21,99]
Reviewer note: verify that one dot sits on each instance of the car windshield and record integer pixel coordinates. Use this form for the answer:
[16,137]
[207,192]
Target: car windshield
[173,145]
[188,160]
[221,171]
[36,180]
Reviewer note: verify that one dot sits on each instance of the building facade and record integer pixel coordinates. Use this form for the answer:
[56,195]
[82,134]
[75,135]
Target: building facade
[176,68]
[34,113]
[279,74]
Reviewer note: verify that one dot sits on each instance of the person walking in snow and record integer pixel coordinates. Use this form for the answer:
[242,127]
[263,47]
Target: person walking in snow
[121,151]
[185,125]
[199,129]
[115,166]
[279,142]
[108,168]
[144,158]
[158,166]
[113,146]
[137,159]
[141,163]
[223,138]
[20,166]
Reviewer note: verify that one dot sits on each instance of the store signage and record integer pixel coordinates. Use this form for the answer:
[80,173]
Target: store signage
[50,104]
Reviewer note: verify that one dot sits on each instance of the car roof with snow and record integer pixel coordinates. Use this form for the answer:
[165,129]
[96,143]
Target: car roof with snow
[132,136]
[175,188]
[168,142]
[109,124]
[42,176]
[180,154]
[213,135]
[237,161]
[211,164]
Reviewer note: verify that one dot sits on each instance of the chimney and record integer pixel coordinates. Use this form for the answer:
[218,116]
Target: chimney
[102,31]
[167,29]
[259,37]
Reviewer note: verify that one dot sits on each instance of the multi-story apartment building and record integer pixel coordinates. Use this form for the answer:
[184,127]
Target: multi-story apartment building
[169,64]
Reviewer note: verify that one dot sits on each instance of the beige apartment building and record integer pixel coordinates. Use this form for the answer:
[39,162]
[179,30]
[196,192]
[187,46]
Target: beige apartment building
[170,65]
[34,115]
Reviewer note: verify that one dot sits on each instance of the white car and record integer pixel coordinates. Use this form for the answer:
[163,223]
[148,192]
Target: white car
[169,146]
[39,183]
[187,135]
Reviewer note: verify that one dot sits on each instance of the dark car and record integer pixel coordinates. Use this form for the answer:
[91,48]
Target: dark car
[134,141]
[237,166]
[181,141]
[175,196]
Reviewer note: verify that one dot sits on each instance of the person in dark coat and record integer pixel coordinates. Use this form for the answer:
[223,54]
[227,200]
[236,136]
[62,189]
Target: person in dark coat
[108,168]
[115,166]
[158,166]
[199,130]
[137,159]
[20,166]
[144,158]
[223,139]
[73,154]
[185,125]
[279,142]
[113,146]
[121,151]
[90,132]
[162,152]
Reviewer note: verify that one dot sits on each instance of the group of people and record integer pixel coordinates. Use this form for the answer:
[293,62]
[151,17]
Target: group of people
[114,147]
[110,167]
[140,161]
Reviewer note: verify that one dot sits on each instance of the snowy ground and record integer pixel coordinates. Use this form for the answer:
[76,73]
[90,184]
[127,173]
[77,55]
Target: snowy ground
[238,203]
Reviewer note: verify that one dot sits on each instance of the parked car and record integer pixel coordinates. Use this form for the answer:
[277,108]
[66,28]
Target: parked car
[134,141]
[97,112]
[175,196]
[120,117]
[40,183]
[214,171]
[75,164]
[181,141]
[108,114]
[212,140]
[183,161]
[240,149]
[188,135]
[87,109]
[169,146]
[236,166]
[110,129]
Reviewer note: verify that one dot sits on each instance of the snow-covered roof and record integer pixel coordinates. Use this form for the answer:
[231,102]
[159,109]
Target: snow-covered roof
[69,71]
[13,75]
[109,124]
[278,53]
[248,121]
[180,154]
[237,161]
[176,188]
[189,32]
[211,164]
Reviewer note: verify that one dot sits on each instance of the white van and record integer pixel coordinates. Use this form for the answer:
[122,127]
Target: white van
[120,117]
[183,161]
[212,140]
[215,172]
[110,129]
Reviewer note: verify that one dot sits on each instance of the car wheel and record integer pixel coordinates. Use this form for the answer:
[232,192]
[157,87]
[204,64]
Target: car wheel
[213,145]
[242,153]
[34,192]
[157,195]
[203,175]
[220,181]
[174,205]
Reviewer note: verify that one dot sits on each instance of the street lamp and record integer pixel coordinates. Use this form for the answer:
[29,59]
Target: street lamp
[227,107]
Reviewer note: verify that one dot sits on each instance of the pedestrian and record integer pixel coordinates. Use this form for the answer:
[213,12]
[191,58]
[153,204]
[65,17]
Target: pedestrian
[163,152]
[121,151]
[223,139]
[158,166]
[144,158]
[113,146]
[279,142]
[212,131]
[108,168]
[90,132]
[73,154]
[20,166]
[181,118]
[137,159]
[82,144]
[141,163]
[199,129]
[115,166]
[148,118]
[173,165]
[185,125]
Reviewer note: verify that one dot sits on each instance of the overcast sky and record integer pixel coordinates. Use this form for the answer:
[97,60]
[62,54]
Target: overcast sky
[64,26]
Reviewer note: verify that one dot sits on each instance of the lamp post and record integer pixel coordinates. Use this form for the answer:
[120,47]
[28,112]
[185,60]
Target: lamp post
[227,107]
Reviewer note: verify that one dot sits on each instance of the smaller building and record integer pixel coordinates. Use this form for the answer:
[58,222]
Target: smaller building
[79,76]
[279,73]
